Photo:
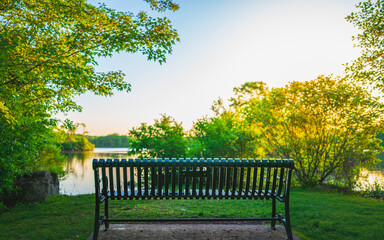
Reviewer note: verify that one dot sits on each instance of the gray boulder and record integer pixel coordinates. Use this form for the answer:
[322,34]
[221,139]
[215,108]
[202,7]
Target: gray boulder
[37,186]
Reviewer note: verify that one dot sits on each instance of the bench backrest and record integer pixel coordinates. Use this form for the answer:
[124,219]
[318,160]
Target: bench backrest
[193,178]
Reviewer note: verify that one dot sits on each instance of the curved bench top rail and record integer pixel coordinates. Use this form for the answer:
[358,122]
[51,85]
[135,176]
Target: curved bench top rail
[216,162]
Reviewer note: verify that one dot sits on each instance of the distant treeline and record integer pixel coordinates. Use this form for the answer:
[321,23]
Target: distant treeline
[113,140]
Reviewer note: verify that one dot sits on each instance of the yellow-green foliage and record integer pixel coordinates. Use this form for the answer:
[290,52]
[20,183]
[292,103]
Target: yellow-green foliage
[69,140]
[327,125]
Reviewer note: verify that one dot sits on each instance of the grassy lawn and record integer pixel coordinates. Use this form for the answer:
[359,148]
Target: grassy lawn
[315,215]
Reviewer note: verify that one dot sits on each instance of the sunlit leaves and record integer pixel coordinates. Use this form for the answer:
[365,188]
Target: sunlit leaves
[327,125]
[322,124]
[369,67]
[162,5]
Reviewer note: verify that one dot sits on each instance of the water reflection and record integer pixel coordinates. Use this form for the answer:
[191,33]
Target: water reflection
[79,179]
[368,178]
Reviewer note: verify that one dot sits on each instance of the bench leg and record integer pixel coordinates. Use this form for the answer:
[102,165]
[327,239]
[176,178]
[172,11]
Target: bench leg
[273,222]
[106,213]
[97,220]
[287,224]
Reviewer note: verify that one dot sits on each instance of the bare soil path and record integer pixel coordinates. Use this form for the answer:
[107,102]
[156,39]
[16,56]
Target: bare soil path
[195,230]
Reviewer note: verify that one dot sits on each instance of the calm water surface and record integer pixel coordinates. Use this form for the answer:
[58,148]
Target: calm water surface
[79,179]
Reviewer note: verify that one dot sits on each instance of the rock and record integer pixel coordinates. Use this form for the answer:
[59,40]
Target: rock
[37,186]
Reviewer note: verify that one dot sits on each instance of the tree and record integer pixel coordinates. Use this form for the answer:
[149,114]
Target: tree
[69,140]
[48,54]
[164,139]
[369,67]
[248,91]
[48,49]
[23,148]
[220,136]
[214,137]
[328,125]
[111,140]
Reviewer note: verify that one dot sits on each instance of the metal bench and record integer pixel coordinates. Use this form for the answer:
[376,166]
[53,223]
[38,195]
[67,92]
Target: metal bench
[192,179]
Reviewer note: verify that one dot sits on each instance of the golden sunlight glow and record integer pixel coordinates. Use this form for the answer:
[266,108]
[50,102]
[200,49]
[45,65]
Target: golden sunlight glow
[369,178]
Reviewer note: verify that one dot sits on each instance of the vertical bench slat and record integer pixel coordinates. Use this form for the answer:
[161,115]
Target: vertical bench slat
[288,182]
[234,181]
[116,163]
[214,180]
[139,190]
[186,194]
[194,177]
[159,180]
[267,182]
[254,181]
[180,182]
[125,178]
[96,172]
[111,189]
[208,179]
[201,183]
[173,175]
[241,181]
[222,171]
[284,188]
[166,179]
[104,176]
[261,184]
[104,187]
[153,180]
[173,182]
[227,181]
[288,173]
[146,184]
[274,182]
[281,182]
[248,179]
[132,179]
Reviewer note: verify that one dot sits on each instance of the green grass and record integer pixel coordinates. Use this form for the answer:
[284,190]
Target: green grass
[319,215]
[315,215]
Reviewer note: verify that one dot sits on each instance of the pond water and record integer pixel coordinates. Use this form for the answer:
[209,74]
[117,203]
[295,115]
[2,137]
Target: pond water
[372,176]
[79,179]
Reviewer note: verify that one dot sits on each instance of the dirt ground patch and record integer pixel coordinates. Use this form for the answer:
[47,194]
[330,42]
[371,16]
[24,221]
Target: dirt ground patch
[194,230]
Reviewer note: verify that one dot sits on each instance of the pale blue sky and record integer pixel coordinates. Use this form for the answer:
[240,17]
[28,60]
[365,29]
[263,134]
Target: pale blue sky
[223,44]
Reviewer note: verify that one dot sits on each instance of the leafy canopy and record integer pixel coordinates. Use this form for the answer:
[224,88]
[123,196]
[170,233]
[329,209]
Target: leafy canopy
[328,125]
[369,67]
[48,53]
[49,48]
[164,139]
[224,135]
